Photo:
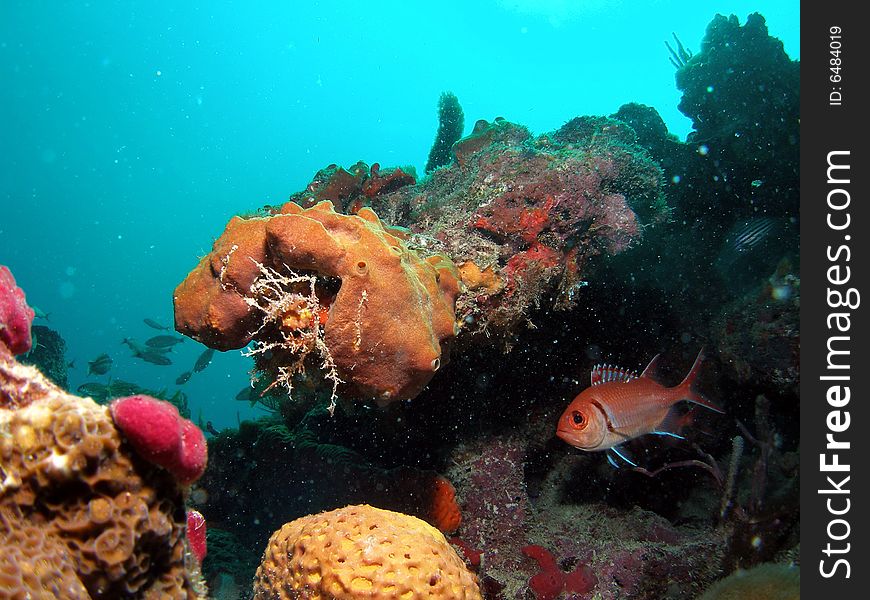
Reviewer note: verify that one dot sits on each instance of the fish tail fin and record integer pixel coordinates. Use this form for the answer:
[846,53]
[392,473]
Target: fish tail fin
[686,391]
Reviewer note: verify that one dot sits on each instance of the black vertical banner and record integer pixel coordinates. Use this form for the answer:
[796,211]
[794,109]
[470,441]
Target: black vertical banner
[835,367]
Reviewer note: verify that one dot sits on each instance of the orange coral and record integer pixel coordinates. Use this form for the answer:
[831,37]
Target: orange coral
[444,511]
[81,516]
[389,324]
[362,552]
[477,280]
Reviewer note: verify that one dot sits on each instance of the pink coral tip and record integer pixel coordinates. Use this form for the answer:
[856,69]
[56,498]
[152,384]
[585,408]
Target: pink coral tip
[160,435]
[15,315]
[196,534]
[193,453]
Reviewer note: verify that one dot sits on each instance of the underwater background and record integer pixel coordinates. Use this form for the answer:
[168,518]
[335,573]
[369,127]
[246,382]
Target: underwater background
[132,133]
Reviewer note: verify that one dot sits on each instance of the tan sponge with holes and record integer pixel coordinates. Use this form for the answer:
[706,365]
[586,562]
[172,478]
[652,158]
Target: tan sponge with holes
[362,552]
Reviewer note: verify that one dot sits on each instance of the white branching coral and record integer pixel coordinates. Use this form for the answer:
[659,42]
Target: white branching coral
[290,305]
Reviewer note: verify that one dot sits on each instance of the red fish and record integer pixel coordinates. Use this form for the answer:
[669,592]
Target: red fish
[620,406]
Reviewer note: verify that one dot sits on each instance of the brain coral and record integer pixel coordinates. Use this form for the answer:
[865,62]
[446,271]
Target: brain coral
[81,516]
[386,313]
[361,552]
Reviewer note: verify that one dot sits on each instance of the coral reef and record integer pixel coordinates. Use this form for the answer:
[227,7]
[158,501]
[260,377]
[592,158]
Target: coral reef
[590,544]
[81,514]
[312,282]
[383,182]
[350,190]
[333,184]
[523,216]
[573,220]
[15,315]
[361,551]
[228,563]
[758,334]
[314,475]
[48,354]
[451,123]
[747,141]
[761,505]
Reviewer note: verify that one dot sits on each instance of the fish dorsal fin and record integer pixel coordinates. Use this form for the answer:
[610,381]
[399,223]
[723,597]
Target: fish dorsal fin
[607,373]
[651,367]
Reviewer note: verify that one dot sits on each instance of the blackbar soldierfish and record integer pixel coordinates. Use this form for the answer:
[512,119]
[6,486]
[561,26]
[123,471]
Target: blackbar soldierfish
[620,406]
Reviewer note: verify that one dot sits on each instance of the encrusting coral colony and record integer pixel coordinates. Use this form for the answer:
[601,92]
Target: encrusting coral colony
[357,291]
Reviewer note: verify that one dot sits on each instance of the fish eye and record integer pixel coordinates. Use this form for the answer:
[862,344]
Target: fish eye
[578,419]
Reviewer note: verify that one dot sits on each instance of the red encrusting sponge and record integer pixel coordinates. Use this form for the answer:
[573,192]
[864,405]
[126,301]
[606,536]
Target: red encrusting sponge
[15,316]
[552,581]
[196,530]
[162,436]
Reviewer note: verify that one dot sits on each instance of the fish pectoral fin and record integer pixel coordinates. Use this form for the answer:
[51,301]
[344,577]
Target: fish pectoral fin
[623,454]
[675,422]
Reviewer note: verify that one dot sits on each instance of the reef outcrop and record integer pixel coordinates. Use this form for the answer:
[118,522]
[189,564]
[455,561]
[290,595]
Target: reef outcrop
[522,216]
[752,143]
[316,283]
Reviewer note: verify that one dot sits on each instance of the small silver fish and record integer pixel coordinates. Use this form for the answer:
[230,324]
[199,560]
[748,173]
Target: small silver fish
[204,360]
[154,358]
[135,346]
[747,234]
[155,325]
[38,313]
[163,341]
[93,389]
[100,365]
[247,394]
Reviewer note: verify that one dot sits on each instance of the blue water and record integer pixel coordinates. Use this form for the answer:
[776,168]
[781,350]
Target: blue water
[131,132]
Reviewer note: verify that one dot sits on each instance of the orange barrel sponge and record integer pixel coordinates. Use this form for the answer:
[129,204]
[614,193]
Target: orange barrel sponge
[377,313]
[362,552]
